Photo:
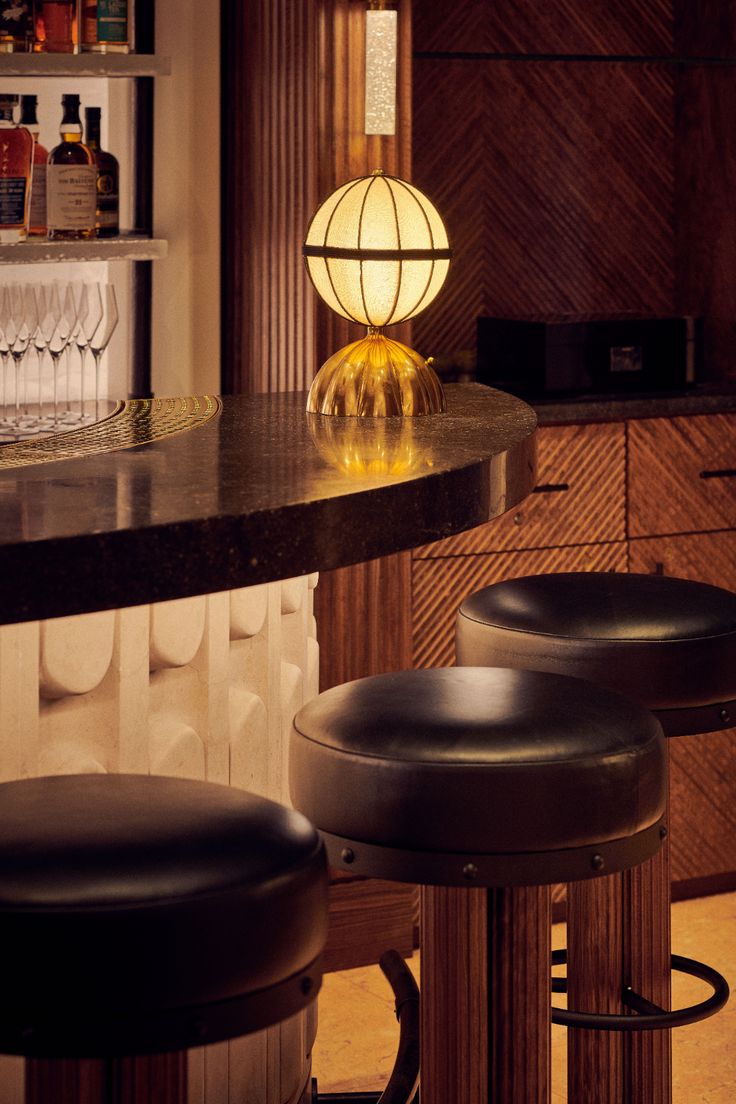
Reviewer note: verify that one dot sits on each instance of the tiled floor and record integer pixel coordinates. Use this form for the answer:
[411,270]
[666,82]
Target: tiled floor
[358,1032]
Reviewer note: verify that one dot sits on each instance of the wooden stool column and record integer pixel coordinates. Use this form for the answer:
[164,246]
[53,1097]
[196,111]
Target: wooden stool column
[485,965]
[155,1079]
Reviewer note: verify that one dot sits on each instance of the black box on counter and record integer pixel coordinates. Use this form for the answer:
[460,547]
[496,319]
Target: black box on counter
[561,355]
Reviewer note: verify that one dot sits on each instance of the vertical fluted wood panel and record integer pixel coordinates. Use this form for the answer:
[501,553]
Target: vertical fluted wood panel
[270,190]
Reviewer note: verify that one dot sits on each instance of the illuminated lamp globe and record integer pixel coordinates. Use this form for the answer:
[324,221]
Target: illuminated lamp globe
[377,253]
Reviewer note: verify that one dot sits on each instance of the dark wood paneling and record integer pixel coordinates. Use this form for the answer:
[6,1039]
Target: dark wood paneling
[705,162]
[669,454]
[581,497]
[439,586]
[705,28]
[368,917]
[545,26]
[556,184]
[364,618]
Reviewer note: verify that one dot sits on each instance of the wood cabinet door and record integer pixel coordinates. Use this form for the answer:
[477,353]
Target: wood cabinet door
[439,586]
[580,497]
[702,768]
[682,474]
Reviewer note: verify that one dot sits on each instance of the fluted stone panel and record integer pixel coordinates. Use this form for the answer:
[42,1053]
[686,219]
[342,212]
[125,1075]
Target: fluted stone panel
[198,688]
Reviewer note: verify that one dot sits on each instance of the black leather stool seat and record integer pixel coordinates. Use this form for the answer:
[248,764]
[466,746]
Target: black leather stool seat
[141,914]
[497,776]
[667,643]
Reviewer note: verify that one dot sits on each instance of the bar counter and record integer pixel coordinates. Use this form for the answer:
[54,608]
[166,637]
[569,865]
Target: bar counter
[171,498]
[157,575]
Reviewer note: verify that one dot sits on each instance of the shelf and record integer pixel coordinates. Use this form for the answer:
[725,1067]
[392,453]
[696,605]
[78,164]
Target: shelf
[84,65]
[127,247]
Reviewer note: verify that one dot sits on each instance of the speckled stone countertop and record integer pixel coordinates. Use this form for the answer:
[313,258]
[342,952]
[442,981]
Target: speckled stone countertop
[712,398]
[256,490]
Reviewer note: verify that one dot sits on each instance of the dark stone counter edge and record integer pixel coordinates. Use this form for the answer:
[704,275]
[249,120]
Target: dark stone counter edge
[717,398]
[96,572]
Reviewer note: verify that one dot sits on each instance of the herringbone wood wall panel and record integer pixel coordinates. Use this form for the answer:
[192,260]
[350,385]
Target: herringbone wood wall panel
[545,26]
[581,497]
[670,454]
[439,586]
[556,184]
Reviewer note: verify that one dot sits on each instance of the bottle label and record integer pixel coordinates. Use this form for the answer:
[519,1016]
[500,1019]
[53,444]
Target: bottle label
[107,202]
[112,21]
[38,196]
[15,16]
[72,197]
[12,201]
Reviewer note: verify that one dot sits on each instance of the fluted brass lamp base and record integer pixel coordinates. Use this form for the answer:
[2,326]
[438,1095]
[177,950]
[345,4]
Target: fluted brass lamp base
[376,377]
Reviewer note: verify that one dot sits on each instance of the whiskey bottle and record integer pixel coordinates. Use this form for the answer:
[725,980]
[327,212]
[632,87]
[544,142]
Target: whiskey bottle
[105,26]
[16,25]
[16,154]
[71,180]
[56,27]
[28,119]
[107,218]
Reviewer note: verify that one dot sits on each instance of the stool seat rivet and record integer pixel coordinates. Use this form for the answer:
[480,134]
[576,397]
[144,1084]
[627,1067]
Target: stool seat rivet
[470,871]
[663,832]
[347,855]
[598,862]
[725,716]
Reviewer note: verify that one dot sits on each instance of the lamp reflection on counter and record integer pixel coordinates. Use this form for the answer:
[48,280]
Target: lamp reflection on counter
[377,253]
[363,449]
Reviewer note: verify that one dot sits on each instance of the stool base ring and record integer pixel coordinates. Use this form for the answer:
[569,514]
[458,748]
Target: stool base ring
[522,868]
[650,1016]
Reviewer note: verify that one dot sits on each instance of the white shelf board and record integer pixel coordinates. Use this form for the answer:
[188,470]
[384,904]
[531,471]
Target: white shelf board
[84,65]
[127,247]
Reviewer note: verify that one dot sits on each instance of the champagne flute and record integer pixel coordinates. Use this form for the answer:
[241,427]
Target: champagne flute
[22,326]
[4,350]
[89,316]
[56,323]
[100,339]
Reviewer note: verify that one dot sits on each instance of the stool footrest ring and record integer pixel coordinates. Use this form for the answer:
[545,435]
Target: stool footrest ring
[648,1017]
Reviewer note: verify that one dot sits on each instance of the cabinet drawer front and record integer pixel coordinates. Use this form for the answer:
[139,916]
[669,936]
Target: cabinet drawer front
[439,586]
[580,497]
[704,557]
[682,474]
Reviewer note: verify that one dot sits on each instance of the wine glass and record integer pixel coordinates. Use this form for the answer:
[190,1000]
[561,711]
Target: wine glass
[100,339]
[23,320]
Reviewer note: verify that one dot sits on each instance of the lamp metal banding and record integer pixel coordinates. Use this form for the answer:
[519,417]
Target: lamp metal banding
[337,253]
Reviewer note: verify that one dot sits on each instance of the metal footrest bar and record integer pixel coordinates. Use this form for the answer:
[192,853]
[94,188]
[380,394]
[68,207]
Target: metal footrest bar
[403,1084]
[648,1017]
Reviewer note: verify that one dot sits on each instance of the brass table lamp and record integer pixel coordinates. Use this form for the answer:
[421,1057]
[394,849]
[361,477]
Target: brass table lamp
[377,253]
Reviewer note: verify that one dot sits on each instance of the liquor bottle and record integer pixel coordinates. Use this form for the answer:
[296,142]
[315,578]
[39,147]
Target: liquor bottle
[16,25]
[16,158]
[56,27]
[105,26]
[28,119]
[71,180]
[107,218]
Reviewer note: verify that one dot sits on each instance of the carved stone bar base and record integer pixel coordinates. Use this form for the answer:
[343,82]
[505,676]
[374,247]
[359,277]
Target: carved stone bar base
[201,688]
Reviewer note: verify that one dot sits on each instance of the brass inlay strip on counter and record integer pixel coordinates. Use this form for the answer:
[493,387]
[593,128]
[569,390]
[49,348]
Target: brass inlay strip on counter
[133,422]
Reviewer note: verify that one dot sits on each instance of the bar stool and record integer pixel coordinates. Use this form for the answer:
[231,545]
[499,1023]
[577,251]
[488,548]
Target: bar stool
[141,914]
[467,778]
[669,644]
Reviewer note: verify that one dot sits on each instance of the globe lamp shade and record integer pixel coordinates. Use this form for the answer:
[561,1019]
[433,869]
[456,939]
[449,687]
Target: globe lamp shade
[377,253]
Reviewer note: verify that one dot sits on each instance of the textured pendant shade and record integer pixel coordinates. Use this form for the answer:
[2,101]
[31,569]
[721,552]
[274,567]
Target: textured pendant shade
[377,253]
